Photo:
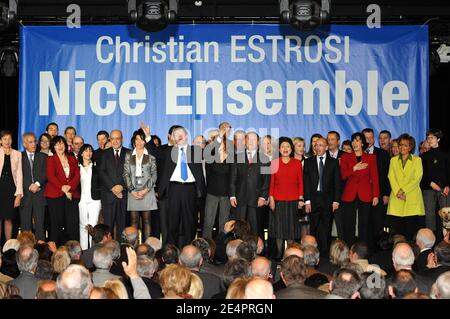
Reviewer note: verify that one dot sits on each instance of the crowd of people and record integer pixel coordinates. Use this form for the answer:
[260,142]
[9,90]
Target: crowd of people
[238,216]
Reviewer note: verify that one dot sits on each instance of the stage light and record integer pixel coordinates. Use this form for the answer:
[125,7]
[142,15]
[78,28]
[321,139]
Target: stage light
[152,15]
[9,61]
[305,14]
[8,14]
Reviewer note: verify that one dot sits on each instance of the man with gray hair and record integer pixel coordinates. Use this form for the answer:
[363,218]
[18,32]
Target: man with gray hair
[146,268]
[191,258]
[27,259]
[129,238]
[309,240]
[231,248]
[74,283]
[441,288]
[262,268]
[102,260]
[74,249]
[425,240]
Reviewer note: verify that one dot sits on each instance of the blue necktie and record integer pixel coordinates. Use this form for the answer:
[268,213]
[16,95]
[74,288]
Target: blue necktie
[320,174]
[183,166]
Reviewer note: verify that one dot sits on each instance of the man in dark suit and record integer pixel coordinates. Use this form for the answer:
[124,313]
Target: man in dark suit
[322,185]
[114,193]
[334,139]
[181,183]
[34,170]
[249,183]
[425,240]
[378,213]
[293,274]
[102,139]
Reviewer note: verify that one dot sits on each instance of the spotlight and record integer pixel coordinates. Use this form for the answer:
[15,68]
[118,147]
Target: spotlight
[305,14]
[9,61]
[8,14]
[152,15]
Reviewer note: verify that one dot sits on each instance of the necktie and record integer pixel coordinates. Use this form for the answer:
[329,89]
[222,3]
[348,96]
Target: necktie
[249,157]
[31,165]
[183,165]
[320,174]
[116,156]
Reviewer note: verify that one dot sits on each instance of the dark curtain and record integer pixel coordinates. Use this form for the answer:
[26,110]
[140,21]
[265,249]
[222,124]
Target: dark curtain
[9,101]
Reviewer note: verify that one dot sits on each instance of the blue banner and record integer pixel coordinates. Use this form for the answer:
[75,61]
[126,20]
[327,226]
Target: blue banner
[271,78]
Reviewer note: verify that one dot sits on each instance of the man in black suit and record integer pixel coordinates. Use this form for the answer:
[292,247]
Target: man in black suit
[334,139]
[378,213]
[425,240]
[322,187]
[34,170]
[181,182]
[102,140]
[114,194]
[249,183]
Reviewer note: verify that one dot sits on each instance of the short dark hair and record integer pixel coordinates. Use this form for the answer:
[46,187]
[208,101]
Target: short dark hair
[403,282]
[345,282]
[82,149]
[367,130]
[137,133]
[170,254]
[385,132]
[50,124]
[156,137]
[361,249]
[5,133]
[100,231]
[70,128]
[336,133]
[436,132]
[58,139]
[202,245]
[44,270]
[236,268]
[284,139]
[362,137]
[411,140]
[368,288]
[44,251]
[348,143]
[103,132]
[293,269]
[442,253]
[246,251]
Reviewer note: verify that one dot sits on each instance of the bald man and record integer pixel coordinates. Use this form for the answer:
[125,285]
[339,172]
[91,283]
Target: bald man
[258,288]
[322,186]
[114,193]
[309,240]
[261,268]
[425,240]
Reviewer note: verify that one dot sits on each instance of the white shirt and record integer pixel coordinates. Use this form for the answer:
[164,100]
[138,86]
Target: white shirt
[335,154]
[370,150]
[176,175]
[139,161]
[114,152]
[252,153]
[34,155]
[85,182]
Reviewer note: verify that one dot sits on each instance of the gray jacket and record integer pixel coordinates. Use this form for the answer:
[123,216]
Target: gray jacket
[148,172]
[27,284]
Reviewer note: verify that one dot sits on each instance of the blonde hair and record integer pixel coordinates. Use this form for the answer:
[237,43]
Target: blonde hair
[237,288]
[196,288]
[60,260]
[339,253]
[117,287]
[175,280]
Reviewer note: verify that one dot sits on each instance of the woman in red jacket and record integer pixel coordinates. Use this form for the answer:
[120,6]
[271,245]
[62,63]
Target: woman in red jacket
[62,193]
[361,191]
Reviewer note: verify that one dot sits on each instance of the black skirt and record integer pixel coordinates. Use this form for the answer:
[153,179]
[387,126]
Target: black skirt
[7,190]
[283,222]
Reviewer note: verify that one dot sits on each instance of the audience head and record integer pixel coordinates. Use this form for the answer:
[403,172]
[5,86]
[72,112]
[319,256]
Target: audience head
[191,257]
[258,288]
[236,268]
[102,293]
[293,270]
[359,251]
[402,256]
[373,286]
[170,254]
[442,253]
[236,290]
[102,258]
[114,248]
[154,242]
[26,238]
[145,250]
[27,258]
[308,240]
[74,249]
[146,266]
[345,283]
[246,250]
[402,282]
[8,291]
[44,270]
[385,241]
[203,245]
[74,283]
[311,256]
[175,280]
[46,290]
[60,260]
[261,268]
[100,233]
[117,286]
[425,238]
[196,287]
[296,250]
[442,286]
[130,236]
[416,295]
[231,248]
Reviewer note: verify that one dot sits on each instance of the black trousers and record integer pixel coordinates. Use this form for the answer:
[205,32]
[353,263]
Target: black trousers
[407,226]
[254,216]
[350,209]
[115,215]
[163,221]
[377,222]
[321,221]
[181,214]
[31,212]
[156,224]
[64,219]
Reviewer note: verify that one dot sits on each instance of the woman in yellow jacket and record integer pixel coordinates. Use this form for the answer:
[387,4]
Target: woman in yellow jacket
[406,208]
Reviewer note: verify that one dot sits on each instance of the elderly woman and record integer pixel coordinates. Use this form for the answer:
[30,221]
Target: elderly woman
[11,182]
[139,173]
[406,207]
